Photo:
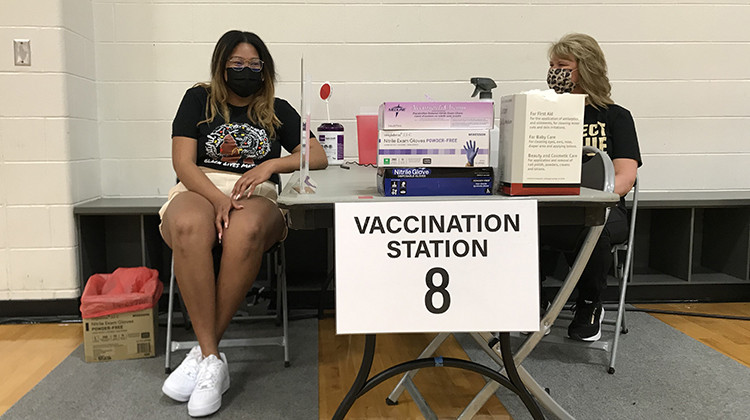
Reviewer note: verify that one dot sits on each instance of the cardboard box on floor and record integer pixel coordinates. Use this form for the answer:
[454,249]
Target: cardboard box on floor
[127,335]
[541,143]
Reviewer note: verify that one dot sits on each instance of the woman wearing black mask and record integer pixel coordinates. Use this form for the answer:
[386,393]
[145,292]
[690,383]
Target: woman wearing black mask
[226,150]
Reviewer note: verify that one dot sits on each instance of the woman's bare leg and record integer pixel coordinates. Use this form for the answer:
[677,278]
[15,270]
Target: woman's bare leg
[188,228]
[252,230]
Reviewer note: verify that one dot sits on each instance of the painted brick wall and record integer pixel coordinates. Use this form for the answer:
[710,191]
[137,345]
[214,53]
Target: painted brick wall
[680,67]
[49,158]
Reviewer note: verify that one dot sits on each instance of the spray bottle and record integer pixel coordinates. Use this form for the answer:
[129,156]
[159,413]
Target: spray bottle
[483,87]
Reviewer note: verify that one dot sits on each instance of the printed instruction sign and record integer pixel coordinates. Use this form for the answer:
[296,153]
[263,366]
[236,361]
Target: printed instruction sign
[437,266]
[541,139]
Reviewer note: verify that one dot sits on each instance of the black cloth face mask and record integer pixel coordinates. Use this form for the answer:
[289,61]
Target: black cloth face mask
[244,82]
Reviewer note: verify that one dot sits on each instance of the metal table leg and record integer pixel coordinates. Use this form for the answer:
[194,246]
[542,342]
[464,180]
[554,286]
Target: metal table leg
[436,342]
[362,385]
[360,380]
[528,345]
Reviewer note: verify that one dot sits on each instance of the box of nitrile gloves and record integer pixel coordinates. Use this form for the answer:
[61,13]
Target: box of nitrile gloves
[127,335]
[434,181]
[445,148]
[477,115]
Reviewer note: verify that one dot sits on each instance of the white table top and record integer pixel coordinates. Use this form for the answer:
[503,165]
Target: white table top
[337,185]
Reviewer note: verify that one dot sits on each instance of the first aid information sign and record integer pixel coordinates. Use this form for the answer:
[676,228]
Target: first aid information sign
[437,266]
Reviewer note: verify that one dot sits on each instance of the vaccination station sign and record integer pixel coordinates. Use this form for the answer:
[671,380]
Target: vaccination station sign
[437,266]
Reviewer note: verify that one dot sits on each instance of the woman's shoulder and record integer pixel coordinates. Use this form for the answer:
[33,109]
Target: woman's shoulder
[610,112]
[283,109]
[618,109]
[281,104]
[198,91]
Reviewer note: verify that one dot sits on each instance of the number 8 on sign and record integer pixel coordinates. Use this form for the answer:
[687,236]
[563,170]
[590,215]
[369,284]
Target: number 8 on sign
[432,289]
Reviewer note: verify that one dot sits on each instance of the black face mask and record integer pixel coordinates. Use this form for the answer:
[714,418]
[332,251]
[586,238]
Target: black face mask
[244,82]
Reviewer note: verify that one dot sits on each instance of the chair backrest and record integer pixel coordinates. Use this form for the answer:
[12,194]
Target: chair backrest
[597,170]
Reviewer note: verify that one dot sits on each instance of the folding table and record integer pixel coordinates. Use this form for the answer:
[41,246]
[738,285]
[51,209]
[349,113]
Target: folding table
[337,184]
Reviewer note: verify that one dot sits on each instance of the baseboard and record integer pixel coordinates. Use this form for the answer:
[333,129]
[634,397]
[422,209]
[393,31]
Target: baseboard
[737,292]
[315,299]
[66,308]
[652,293]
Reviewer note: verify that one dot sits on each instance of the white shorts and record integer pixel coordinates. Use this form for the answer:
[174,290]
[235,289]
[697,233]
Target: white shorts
[225,181]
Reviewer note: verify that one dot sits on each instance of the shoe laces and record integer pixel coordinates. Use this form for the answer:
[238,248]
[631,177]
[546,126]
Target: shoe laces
[584,313]
[208,373]
[192,362]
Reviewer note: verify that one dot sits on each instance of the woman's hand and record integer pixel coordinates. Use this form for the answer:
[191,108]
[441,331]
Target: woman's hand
[251,179]
[222,207]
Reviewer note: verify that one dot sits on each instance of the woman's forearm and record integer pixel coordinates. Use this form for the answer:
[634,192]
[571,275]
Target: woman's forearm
[195,180]
[626,171]
[290,163]
[183,161]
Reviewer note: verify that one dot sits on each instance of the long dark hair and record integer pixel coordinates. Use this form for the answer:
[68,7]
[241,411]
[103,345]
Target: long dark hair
[260,110]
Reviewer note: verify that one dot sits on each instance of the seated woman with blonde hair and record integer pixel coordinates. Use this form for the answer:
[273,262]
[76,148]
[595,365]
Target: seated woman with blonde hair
[577,65]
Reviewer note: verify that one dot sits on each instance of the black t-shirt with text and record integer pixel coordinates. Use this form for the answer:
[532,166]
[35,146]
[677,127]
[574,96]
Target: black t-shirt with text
[611,130]
[237,145]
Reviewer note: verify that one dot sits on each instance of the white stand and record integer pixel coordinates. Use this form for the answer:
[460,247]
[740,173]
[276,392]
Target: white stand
[306,185]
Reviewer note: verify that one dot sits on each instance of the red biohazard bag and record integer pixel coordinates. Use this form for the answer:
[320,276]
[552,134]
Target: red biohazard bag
[126,290]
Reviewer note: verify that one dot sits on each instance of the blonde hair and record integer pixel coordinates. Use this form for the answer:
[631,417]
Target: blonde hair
[591,64]
[261,109]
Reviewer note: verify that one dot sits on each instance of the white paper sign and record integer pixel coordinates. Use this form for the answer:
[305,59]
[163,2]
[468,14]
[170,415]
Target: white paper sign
[437,266]
[540,132]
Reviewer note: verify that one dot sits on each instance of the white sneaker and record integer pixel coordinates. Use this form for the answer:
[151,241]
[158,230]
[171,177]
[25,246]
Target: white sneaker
[180,383]
[213,380]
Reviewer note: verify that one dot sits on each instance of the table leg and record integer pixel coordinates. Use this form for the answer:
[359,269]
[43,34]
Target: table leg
[592,236]
[330,271]
[531,341]
[544,398]
[392,399]
[362,385]
[360,380]
[510,369]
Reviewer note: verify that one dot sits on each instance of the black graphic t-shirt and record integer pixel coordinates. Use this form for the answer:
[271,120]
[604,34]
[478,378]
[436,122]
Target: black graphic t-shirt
[611,130]
[237,145]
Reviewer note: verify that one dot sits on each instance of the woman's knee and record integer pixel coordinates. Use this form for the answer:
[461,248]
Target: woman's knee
[245,235]
[189,227]
[254,231]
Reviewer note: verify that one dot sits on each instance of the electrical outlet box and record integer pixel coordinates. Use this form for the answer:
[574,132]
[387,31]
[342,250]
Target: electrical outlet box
[22,52]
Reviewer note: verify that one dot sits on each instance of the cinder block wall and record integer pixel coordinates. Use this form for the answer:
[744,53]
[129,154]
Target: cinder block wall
[49,145]
[91,117]
[680,68]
